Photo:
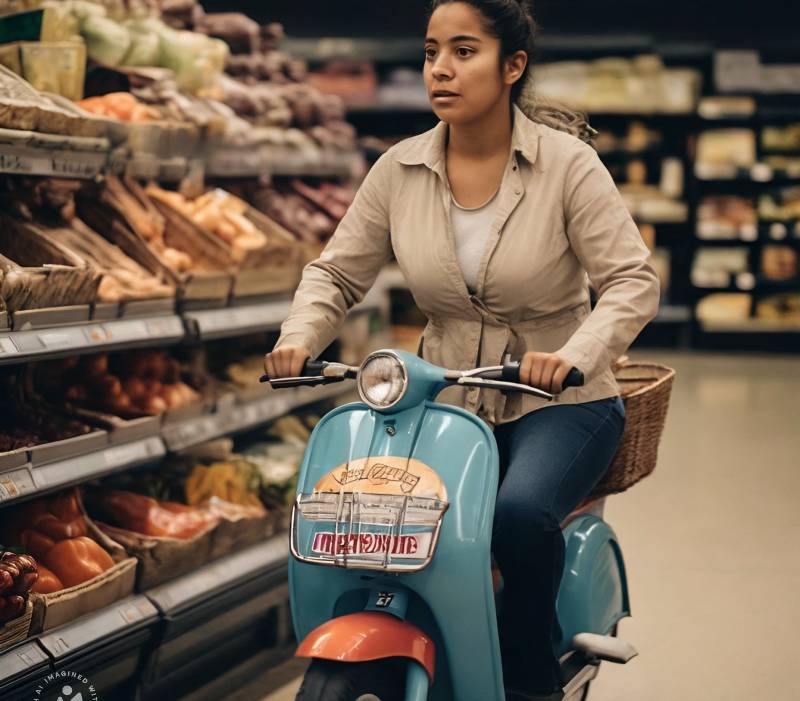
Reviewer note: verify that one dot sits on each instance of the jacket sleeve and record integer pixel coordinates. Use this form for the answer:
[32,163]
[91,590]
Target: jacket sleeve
[346,269]
[608,245]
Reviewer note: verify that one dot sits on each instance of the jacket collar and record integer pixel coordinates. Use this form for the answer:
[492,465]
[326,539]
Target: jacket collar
[429,148]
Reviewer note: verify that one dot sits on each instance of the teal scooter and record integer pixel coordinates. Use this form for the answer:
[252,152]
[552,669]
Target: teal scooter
[390,578]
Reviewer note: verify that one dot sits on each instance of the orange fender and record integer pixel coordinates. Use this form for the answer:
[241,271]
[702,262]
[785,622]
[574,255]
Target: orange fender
[365,636]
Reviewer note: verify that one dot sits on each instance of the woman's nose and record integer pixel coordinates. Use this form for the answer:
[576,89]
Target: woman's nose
[442,69]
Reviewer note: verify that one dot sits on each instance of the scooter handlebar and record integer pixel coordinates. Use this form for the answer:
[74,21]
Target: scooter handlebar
[311,369]
[510,373]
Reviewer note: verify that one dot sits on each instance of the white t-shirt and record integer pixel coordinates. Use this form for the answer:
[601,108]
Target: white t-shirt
[471,227]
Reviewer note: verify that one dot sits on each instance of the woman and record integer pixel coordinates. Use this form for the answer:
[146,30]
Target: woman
[495,218]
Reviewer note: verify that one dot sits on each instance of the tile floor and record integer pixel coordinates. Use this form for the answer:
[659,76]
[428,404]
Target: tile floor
[711,540]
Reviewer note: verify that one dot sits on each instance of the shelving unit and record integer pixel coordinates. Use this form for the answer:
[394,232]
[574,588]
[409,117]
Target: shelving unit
[181,637]
[35,154]
[169,635]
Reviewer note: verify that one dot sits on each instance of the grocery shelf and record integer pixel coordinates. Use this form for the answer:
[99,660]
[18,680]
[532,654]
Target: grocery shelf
[93,337]
[209,324]
[176,595]
[750,326]
[673,314]
[761,239]
[100,336]
[759,174]
[245,416]
[248,162]
[26,481]
[99,627]
[759,284]
[33,153]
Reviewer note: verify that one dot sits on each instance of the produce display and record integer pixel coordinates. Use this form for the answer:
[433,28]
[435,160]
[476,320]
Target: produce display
[119,105]
[234,480]
[137,383]
[148,516]
[55,533]
[18,576]
[310,211]
[218,212]
[26,421]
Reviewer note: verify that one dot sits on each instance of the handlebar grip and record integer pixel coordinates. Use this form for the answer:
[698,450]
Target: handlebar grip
[574,378]
[510,373]
[311,368]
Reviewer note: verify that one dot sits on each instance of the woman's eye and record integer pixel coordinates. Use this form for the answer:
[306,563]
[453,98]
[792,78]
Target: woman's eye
[430,53]
[463,51]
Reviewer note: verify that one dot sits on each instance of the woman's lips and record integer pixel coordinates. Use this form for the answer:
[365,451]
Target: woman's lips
[444,96]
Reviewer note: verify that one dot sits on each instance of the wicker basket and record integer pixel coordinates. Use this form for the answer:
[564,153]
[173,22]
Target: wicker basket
[645,390]
[16,629]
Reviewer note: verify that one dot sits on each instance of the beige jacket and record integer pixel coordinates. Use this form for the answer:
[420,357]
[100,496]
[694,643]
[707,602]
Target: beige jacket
[559,217]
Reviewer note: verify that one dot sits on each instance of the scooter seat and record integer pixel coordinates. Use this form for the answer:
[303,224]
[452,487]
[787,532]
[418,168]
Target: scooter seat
[594,506]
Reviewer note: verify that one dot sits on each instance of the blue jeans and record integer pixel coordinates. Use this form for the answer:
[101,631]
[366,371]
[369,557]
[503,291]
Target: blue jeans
[550,460]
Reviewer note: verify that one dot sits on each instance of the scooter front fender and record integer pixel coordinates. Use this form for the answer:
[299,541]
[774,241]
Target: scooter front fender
[369,635]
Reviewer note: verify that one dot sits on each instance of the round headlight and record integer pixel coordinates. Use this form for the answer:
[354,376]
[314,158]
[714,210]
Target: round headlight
[382,380]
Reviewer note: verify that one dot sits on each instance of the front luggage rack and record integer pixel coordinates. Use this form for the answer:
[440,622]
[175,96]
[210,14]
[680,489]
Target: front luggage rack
[361,530]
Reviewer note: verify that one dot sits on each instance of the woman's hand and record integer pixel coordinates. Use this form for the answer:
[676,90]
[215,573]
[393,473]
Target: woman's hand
[543,370]
[286,361]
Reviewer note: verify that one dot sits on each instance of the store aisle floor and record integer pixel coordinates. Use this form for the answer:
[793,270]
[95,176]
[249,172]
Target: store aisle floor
[711,539]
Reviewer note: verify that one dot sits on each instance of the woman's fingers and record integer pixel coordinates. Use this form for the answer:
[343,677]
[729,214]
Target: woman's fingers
[269,365]
[560,375]
[285,362]
[299,357]
[549,366]
[537,370]
[543,370]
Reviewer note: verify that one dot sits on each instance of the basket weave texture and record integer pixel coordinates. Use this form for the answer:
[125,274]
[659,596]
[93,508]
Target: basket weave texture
[645,390]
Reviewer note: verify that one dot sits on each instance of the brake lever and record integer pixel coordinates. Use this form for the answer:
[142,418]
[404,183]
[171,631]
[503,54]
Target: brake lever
[504,386]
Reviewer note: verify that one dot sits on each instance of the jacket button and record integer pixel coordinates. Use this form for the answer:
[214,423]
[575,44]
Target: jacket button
[516,192]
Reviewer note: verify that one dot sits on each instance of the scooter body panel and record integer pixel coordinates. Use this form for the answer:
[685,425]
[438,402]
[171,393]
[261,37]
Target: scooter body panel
[594,591]
[456,586]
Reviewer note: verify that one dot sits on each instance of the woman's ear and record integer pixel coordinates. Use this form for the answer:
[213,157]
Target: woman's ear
[514,67]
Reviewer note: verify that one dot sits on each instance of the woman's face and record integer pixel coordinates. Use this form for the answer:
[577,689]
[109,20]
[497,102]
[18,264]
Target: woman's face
[462,65]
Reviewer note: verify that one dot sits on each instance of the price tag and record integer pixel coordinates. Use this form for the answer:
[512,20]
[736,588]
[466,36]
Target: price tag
[130,330]
[74,164]
[15,162]
[77,166]
[95,334]
[124,454]
[130,613]
[167,326]
[13,484]
[7,347]
[214,321]
[68,338]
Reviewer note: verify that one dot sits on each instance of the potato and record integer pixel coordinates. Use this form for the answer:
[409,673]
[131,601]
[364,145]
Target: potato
[135,388]
[94,365]
[155,405]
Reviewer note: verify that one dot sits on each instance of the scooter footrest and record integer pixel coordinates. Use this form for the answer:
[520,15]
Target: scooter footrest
[605,647]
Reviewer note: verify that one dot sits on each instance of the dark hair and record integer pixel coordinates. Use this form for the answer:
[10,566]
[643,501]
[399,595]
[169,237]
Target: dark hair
[512,22]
